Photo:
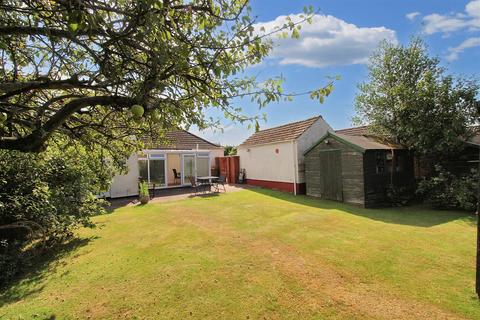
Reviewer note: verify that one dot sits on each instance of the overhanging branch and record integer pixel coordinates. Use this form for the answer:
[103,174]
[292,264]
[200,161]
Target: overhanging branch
[35,141]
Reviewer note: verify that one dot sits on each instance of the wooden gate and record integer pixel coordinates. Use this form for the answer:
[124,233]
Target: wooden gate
[228,167]
[330,184]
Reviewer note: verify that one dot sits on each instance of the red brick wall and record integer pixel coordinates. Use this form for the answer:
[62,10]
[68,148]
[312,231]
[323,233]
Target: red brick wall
[276,185]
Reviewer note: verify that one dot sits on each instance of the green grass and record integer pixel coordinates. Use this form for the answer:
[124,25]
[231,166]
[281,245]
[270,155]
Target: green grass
[257,254]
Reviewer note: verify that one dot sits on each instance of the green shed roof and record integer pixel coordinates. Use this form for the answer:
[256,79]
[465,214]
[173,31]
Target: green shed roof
[360,143]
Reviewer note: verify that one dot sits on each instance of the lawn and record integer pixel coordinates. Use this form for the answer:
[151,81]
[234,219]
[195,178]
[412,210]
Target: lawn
[258,254]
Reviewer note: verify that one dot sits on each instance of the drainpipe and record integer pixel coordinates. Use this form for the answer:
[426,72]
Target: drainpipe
[196,154]
[294,167]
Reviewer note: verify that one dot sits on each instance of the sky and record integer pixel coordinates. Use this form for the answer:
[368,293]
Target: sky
[339,41]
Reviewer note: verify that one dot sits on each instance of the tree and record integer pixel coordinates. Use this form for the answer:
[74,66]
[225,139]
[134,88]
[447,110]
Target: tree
[44,196]
[101,71]
[230,151]
[409,96]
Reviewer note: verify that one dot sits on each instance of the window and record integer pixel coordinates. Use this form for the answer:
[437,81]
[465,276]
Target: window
[188,166]
[151,168]
[157,171]
[202,154]
[143,169]
[203,168]
[203,164]
[380,162]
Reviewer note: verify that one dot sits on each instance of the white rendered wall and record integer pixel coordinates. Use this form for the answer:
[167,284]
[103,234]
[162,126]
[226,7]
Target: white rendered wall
[307,140]
[263,163]
[125,185]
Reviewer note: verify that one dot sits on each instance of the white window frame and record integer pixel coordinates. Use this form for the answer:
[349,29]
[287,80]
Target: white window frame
[203,155]
[153,157]
[184,182]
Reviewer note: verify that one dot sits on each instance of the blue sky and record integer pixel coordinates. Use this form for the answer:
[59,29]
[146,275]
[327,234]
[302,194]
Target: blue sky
[339,42]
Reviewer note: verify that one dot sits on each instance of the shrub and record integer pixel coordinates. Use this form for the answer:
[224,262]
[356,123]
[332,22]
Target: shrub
[399,196]
[46,195]
[447,191]
[143,189]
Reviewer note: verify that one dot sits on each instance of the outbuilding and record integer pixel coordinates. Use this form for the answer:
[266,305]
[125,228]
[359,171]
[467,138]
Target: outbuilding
[356,168]
[273,158]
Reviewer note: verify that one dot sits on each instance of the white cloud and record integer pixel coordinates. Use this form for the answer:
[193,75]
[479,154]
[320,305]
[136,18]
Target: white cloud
[412,15]
[455,51]
[434,23]
[327,41]
[446,23]
[473,9]
[469,20]
[232,134]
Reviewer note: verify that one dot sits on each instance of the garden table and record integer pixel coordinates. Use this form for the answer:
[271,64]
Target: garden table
[207,180]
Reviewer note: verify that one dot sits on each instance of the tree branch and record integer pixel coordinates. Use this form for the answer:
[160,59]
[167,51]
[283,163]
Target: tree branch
[16,88]
[35,141]
[48,32]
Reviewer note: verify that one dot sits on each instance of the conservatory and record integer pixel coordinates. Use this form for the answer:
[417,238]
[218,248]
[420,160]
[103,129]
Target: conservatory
[167,165]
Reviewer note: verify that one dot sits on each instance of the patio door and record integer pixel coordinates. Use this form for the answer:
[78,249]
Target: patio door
[188,166]
[203,164]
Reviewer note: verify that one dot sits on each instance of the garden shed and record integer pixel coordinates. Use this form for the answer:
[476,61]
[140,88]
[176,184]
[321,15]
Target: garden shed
[357,169]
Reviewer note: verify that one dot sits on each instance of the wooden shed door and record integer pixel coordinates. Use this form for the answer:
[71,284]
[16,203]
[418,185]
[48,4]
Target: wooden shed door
[331,175]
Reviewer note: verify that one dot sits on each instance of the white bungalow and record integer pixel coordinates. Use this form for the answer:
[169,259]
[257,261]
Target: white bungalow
[181,152]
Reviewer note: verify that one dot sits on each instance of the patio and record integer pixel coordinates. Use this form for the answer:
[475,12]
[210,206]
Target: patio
[172,194]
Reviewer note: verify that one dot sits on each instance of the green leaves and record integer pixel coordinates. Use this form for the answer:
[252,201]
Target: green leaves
[295,33]
[75,20]
[173,59]
[73,26]
[3,117]
[321,93]
[257,126]
[410,97]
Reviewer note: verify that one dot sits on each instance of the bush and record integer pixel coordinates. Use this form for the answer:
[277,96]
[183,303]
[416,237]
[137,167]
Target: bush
[399,196]
[46,196]
[447,191]
[143,190]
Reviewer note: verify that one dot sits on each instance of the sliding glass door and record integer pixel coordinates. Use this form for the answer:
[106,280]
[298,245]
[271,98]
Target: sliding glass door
[203,165]
[188,164]
[195,165]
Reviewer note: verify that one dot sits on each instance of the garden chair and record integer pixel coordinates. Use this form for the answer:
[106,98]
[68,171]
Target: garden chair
[176,176]
[196,187]
[221,181]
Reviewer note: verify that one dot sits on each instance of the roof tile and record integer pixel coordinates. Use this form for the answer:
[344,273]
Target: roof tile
[369,142]
[355,131]
[286,132]
[181,140]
